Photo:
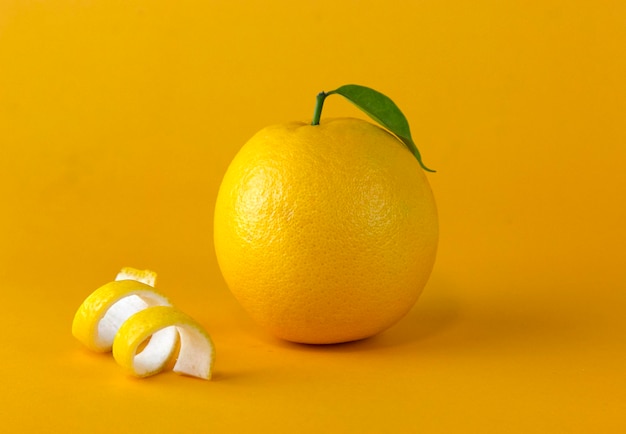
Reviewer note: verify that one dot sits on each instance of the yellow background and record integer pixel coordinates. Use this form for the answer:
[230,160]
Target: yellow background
[118,119]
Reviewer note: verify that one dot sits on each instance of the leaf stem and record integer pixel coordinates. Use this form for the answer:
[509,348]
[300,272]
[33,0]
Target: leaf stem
[319,103]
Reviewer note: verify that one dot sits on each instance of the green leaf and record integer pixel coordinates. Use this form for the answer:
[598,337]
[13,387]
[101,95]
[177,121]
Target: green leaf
[384,111]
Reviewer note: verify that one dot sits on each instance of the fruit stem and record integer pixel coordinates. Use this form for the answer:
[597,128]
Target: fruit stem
[319,103]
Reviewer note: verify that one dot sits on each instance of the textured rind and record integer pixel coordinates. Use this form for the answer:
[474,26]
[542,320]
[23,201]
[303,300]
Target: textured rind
[325,233]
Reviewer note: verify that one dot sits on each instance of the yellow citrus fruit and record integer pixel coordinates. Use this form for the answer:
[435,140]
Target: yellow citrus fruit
[325,233]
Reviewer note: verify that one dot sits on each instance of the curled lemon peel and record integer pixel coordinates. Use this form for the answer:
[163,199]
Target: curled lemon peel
[104,311]
[139,324]
[144,276]
[196,353]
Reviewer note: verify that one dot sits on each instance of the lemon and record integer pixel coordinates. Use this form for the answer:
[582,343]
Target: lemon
[325,233]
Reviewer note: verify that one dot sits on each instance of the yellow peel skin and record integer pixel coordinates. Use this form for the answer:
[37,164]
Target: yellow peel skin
[104,311]
[142,328]
[196,354]
[144,276]
[326,233]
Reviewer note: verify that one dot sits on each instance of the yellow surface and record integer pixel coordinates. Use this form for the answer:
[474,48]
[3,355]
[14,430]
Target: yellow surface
[119,117]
